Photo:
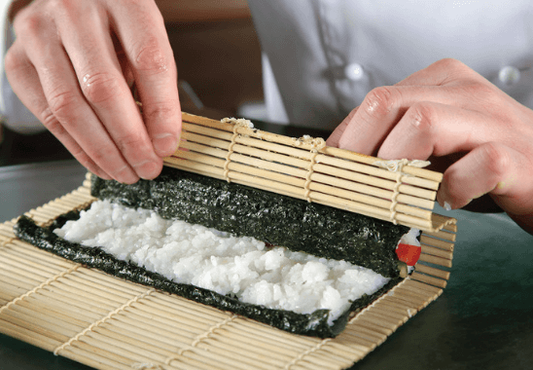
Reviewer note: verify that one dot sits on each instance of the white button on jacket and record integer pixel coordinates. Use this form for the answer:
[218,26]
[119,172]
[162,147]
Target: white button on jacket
[509,75]
[324,56]
[354,72]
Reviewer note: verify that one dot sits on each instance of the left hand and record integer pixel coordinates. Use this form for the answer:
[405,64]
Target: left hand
[446,109]
[73,65]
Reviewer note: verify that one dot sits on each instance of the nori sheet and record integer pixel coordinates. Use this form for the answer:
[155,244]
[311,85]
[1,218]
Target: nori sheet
[314,324]
[276,219]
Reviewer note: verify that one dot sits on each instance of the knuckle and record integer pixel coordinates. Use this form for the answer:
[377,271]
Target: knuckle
[161,112]
[151,58]
[108,159]
[12,60]
[421,117]
[62,6]
[61,103]
[50,121]
[457,73]
[59,3]
[450,63]
[497,158]
[80,155]
[379,101]
[30,23]
[131,142]
[88,163]
[486,94]
[100,87]
[101,155]
[479,91]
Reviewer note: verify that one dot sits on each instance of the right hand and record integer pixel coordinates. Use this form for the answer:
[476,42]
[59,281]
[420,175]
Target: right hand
[449,112]
[73,64]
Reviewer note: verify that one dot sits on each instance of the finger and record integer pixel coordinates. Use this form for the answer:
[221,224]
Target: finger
[334,138]
[123,61]
[142,32]
[380,103]
[24,80]
[68,106]
[428,129]
[490,168]
[383,108]
[105,88]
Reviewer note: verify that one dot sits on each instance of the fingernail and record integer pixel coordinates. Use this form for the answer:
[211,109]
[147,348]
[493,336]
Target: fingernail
[447,206]
[165,144]
[148,169]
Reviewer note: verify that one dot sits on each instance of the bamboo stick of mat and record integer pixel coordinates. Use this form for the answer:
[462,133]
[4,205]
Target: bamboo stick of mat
[108,323]
[306,168]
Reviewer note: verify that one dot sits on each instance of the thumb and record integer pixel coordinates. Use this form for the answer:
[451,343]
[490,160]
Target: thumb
[489,168]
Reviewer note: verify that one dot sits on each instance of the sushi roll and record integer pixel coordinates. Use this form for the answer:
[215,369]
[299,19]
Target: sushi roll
[298,266]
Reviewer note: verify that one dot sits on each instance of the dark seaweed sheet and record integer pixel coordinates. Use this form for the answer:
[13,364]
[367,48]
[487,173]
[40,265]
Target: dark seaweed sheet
[314,324]
[275,219]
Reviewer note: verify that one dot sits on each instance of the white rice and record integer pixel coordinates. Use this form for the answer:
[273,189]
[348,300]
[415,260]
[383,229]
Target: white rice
[243,267]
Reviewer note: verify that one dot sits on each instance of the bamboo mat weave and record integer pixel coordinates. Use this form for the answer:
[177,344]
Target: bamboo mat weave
[305,168]
[108,323]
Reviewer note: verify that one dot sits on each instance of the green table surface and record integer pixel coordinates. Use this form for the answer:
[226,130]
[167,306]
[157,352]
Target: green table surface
[483,320]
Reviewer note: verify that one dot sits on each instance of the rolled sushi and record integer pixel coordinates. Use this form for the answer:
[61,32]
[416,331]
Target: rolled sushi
[272,218]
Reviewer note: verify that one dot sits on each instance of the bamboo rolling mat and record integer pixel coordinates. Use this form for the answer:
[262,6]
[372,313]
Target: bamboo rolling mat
[108,323]
[305,168]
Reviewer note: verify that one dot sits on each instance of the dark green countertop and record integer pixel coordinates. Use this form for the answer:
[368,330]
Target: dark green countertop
[484,319]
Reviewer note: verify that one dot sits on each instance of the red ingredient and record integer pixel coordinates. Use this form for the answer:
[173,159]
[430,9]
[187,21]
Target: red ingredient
[408,253]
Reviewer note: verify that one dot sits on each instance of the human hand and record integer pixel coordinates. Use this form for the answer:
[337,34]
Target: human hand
[447,110]
[73,64]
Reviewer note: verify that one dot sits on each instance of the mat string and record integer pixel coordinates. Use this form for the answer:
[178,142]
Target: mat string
[397,165]
[300,357]
[6,242]
[394,200]
[102,320]
[230,152]
[199,338]
[147,366]
[318,143]
[40,286]
[8,238]
[237,123]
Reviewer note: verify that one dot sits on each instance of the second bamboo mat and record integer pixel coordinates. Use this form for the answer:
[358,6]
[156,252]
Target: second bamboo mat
[108,323]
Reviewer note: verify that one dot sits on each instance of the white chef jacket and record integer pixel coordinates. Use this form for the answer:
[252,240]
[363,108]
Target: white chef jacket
[13,113]
[321,57]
